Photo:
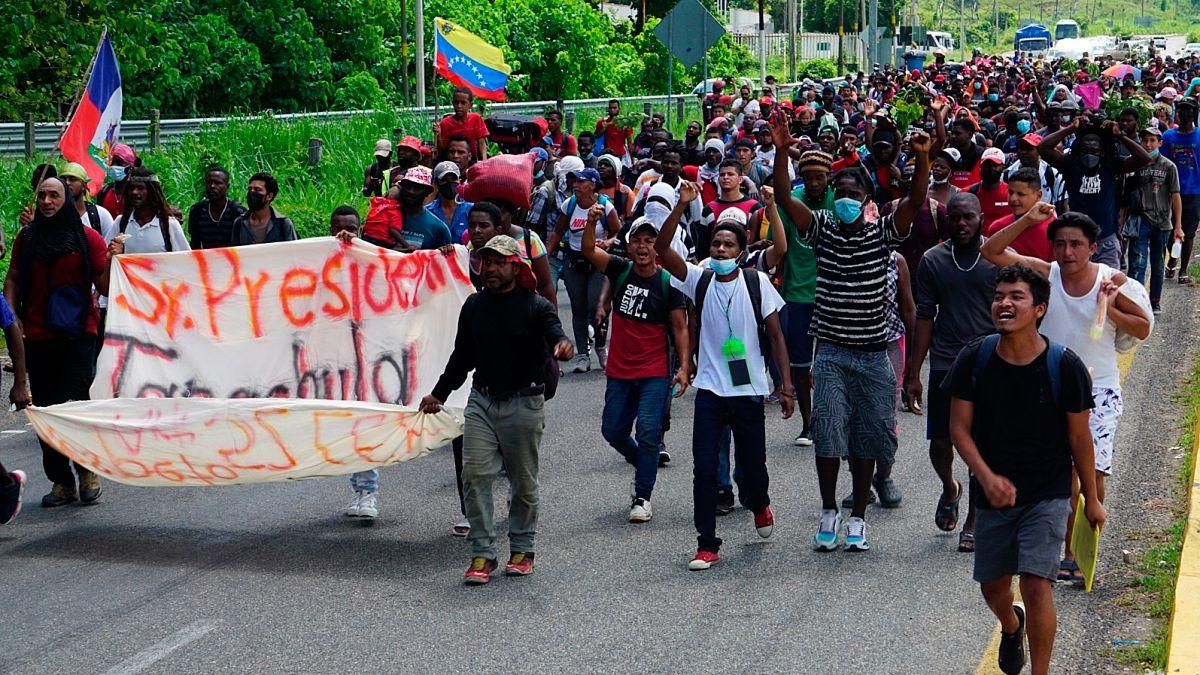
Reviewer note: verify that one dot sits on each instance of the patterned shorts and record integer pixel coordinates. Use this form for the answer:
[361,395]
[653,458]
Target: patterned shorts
[1103,423]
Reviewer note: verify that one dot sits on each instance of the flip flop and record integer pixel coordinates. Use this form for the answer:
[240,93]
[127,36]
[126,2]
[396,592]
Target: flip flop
[966,542]
[946,516]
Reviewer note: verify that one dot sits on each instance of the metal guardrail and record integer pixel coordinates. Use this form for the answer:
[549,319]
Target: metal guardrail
[137,133]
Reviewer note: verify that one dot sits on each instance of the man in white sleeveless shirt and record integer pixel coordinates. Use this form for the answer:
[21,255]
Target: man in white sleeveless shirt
[1086,312]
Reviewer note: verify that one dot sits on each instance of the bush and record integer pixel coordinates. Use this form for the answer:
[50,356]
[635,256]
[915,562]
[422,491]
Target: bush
[817,69]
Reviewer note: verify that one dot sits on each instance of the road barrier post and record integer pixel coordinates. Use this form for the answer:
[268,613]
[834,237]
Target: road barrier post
[314,152]
[679,109]
[155,129]
[570,119]
[30,137]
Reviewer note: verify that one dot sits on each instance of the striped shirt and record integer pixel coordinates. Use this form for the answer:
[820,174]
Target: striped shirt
[852,269]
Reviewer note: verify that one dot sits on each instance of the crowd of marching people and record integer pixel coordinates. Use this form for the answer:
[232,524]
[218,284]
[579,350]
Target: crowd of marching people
[971,242]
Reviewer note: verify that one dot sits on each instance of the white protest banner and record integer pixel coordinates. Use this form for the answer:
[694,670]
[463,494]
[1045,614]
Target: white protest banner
[208,441]
[313,319]
[317,329]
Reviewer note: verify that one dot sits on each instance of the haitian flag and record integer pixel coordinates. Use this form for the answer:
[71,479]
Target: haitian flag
[466,60]
[96,124]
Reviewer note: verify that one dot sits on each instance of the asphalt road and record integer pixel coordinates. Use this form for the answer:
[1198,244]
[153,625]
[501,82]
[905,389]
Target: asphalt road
[274,579]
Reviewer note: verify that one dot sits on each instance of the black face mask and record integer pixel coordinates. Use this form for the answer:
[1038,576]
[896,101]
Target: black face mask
[448,190]
[405,163]
[1090,162]
[255,201]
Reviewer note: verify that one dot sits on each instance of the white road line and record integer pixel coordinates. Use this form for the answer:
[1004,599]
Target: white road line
[13,431]
[157,651]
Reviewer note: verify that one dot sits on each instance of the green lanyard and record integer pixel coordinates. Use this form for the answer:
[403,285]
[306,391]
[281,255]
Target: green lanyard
[733,348]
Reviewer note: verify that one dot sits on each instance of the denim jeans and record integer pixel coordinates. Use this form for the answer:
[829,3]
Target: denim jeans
[502,433]
[646,400]
[723,444]
[583,288]
[555,260]
[1152,244]
[744,416]
[365,481]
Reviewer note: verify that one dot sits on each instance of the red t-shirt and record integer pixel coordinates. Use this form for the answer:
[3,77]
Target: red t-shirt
[615,137]
[561,146]
[1032,242]
[473,129]
[637,344]
[66,270]
[993,202]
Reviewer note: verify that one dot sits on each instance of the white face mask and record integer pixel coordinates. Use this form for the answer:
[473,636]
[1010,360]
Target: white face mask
[935,181]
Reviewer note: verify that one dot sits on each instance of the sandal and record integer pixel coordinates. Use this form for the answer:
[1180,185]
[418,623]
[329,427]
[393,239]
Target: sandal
[946,516]
[1068,570]
[1185,280]
[966,542]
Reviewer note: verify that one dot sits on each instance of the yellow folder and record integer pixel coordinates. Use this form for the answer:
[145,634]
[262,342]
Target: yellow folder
[1085,543]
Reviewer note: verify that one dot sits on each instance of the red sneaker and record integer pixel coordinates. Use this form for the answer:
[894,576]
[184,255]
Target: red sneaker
[480,571]
[519,565]
[764,522]
[704,560]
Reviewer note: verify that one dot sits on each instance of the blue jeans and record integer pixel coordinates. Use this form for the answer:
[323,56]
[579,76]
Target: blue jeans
[723,444]
[365,481]
[583,284]
[744,415]
[646,400]
[1151,243]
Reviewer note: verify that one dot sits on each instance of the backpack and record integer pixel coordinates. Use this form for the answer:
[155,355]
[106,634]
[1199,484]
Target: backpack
[164,228]
[750,276]
[93,217]
[1054,355]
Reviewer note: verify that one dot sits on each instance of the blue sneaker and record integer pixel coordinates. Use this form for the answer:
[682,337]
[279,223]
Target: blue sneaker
[826,538]
[856,535]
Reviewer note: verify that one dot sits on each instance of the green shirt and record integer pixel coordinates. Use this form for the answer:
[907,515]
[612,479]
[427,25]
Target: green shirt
[800,263]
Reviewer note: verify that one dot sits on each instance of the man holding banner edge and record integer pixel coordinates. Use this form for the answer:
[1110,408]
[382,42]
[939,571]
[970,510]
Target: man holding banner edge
[505,415]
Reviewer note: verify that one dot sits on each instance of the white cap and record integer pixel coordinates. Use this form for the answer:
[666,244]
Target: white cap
[714,144]
[383,148]
[733,215]
[568,164]
[992,155]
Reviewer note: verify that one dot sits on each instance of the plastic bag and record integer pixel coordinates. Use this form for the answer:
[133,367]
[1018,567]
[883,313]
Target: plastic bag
[1135,291]
[506,178]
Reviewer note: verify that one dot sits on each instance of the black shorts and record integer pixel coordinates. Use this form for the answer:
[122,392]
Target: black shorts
[937,407]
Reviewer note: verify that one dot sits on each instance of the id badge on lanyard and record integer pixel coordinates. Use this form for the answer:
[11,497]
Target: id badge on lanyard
[734,351]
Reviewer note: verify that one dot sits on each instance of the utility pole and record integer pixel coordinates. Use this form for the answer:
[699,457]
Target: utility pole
[404,51]
[873,48]
[962,30]
[841,36]
[791,28]
[762,46]
[420,60]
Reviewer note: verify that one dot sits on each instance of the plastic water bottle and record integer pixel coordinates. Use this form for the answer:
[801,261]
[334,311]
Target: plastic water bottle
[1176,249]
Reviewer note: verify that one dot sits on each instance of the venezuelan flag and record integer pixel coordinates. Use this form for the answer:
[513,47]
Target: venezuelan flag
[465,59]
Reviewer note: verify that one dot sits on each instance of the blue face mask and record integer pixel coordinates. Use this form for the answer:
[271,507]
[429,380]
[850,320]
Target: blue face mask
[1154,154]
[722,267]
[1023,126]
[116,173]
[993,97]
[847,210]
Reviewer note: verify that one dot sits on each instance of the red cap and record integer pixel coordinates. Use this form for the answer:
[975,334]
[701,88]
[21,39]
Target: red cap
[1032,139]
[1081,76]
[411,142]
[766,100]
[915,73]
[691,173]
[939,78]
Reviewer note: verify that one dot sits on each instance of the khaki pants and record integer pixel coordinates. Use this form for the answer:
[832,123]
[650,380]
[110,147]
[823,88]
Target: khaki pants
[502,433]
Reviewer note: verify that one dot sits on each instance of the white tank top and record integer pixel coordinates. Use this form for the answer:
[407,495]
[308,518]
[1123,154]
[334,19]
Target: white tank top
[1069,321]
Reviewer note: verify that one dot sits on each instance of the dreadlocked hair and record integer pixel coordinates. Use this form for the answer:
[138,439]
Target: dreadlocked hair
[154,194]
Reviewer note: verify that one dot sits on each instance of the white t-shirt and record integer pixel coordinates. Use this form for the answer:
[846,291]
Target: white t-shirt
[712,372]
[1069,322]
[148,238]
[577,220]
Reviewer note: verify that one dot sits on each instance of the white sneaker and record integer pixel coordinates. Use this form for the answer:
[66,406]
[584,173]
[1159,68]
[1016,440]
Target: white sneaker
[462,528]
[602,357]
[856,535]
[368,506]
[640,512]
[582,363]
[826,538]
[353,506]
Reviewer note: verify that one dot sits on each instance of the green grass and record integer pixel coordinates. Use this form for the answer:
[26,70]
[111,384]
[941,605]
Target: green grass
[1154,591]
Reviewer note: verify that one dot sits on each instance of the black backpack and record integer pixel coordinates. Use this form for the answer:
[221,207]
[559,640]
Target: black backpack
[751,278]
[164,228]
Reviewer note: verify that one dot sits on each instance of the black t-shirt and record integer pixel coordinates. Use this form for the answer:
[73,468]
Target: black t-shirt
[207,233]
[1021,432]
[1095,195]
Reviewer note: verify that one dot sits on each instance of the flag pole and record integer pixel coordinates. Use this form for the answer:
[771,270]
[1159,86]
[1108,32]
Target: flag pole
[87,76]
